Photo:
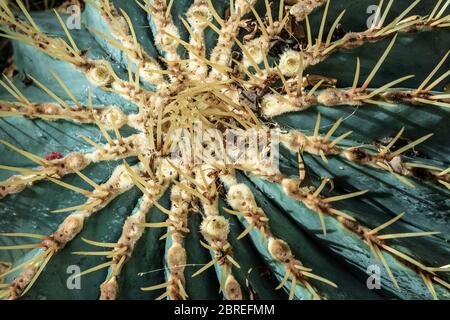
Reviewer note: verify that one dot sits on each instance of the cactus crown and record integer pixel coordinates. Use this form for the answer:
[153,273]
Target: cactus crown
[139,105]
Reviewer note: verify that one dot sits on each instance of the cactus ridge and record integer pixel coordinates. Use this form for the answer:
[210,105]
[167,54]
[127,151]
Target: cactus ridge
[236,85]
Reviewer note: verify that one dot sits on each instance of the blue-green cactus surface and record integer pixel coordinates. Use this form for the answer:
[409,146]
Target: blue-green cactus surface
[86,122]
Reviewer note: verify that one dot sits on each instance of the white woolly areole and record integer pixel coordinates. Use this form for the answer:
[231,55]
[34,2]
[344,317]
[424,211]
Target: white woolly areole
[198,16]
[256,51]
[168,37]
[215,227]
[240,197]
[100,75]
[291,63]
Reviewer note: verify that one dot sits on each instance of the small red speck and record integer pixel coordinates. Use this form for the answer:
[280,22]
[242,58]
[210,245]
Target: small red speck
[53,155]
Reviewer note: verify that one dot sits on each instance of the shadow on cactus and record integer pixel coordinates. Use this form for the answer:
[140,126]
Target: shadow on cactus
[240,149]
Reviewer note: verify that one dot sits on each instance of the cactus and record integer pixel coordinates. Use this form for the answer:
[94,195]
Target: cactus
[95,177]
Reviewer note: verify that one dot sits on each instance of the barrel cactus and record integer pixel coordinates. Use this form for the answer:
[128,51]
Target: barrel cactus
[119,180]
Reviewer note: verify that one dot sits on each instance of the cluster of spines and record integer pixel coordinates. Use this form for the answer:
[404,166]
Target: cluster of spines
[214,227]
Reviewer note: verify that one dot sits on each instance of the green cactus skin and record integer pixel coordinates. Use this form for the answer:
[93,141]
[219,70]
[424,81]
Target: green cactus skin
[89,182]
